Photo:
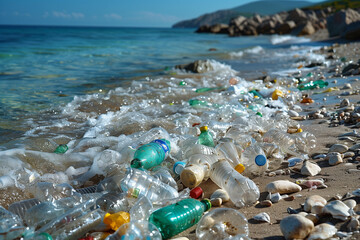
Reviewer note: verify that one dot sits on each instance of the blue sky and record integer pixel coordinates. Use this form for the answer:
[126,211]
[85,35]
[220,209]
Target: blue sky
[135,13]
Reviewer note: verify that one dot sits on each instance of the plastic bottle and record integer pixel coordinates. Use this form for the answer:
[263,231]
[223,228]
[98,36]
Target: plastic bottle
[164,175]
[11,225]
[222,223]
[227,149]
[284,140]
[179,166]
[115,220]
[273,154]
[208,89]
[199,149]
[151,154]
[242,191]
[61,149]
[202,104]
[19,208]
[197,169]
[254,160]
[113,202]
[139,230]
[30,234]
[312,85]
[138,183]
[141,209]
[178,217]
[205,137]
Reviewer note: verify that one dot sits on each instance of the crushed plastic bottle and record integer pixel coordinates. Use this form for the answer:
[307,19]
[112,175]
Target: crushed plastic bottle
[254,160]
[164,175]
[227,149]
[138,183]
[222,223]
[312,85]
[178,217]
[113,202]
[205,137]
[197,169]
[151,154]
[11,226]
[139,230]
[242,191]
[61,149]
[284,140]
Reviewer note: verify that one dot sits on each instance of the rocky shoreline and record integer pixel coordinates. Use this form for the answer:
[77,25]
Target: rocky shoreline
[298,22]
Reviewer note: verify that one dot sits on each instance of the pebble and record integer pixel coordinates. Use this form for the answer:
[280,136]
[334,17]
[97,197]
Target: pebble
[293,113]
[266,203]
[282,187]
[340,148]
[353,224]
[310,169]
[314,200]
[337,209]
[353,170]
[222,194]
[355,147]
[289,198]
[319,156]
[262,217]
[335,159]
[347,86]
[275,197]
[349,154]
[296,227]
[216,202]
[290,210]
[322,231]
[345,102]
[351,203]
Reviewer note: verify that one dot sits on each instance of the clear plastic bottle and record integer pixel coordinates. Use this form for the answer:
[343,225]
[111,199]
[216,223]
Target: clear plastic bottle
[254,160]
[141,209]
[164,175]
[273,154]
[222,223]
[304,142]
[113,202]
[138,183]
[151,154]
[205,137]
[149,136]
[178,217]
[282,139]
[139,230]
[197,169]
[227,150]
[19,208]
[11,225]
[242,191]
[199,149]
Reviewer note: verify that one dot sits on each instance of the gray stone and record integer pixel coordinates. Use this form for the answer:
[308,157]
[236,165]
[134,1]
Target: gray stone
[310,169]
[352,31]
[296,227]
[286,27]
[340,148]
[219,28]
[339,21]
[297,15]
[335,159]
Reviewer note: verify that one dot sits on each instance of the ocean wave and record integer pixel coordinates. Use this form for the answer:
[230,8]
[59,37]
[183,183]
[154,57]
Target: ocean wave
[253,50]
[287,39]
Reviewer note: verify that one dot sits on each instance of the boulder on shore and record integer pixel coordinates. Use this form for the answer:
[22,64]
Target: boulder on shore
[339,21]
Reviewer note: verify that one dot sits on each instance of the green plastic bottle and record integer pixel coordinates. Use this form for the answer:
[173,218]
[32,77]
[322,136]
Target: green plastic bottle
[313,85]
[62,148]
[256,93]
[205,137]
[207,89]
[178,217]
[151,154]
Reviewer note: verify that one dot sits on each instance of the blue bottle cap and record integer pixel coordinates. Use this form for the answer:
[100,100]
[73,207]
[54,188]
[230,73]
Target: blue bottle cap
[260,160]
[176,164]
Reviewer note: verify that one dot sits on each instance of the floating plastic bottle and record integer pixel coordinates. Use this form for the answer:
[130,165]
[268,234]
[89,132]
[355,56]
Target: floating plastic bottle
[312,85]
[227,149]
[61,149]
[222,223]
[139,230]
[11,225]
[115,220]
[151,154]
[205,137]
[254,161]
[197,169]
[242,191]
[138,183]
[178,217]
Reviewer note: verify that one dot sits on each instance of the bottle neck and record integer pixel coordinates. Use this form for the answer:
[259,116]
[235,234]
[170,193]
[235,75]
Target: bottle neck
[206,203]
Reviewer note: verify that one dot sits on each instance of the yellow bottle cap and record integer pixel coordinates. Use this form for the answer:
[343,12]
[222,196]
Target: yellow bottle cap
[276,94]
[203,128]
[239,168]
[116,220]
[299,130]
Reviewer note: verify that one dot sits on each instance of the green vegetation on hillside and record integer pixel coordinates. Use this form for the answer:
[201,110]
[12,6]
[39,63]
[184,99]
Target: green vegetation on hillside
[338,5]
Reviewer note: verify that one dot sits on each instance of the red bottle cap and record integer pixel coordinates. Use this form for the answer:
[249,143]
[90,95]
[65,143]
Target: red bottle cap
[196,192]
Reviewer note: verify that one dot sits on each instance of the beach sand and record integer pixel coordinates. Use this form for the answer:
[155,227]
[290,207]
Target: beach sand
[338,178]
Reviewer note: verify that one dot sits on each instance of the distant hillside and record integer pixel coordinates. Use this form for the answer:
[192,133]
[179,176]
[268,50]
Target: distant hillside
[336,4]
[265,7]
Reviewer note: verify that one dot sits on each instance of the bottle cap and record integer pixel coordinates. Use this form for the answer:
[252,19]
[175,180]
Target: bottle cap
[260,160]
[196,192]
[207,203]
[192,176]
[239,168]
[203,128]
[178,167]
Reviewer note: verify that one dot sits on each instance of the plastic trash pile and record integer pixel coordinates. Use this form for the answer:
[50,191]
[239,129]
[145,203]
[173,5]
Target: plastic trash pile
[149,188]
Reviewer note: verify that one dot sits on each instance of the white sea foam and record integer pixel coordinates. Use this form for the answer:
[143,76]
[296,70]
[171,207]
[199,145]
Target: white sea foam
[249,51]
[287,39]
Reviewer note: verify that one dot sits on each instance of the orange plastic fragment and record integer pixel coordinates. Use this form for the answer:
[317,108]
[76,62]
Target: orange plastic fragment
[307,100]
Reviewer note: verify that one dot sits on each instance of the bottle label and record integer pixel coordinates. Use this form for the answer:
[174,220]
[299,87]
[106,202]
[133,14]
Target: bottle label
[163,145]
[134,192]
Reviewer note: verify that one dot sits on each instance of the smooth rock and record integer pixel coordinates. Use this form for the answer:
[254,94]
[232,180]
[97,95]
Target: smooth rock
[216,202]
[310,169]
[345,102]
[296,227]
[282,187]
[314,200]
[275,197]
[335,159]
[220,193]
[337,209]
[351,203]
[262,217]
[340,148]
[293,113]
[266,203]
[313,217]
[322,231]
[353,224]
